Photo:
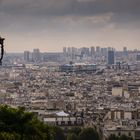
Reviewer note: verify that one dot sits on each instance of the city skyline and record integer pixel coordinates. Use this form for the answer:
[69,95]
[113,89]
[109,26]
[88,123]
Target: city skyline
[49,25]
[90,49]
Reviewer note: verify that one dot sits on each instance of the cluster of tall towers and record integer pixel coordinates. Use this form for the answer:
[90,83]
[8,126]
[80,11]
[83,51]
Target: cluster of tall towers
[34,56]
[108,53]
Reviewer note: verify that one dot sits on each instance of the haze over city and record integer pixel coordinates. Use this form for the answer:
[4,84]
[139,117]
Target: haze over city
[69,70]
[50,25]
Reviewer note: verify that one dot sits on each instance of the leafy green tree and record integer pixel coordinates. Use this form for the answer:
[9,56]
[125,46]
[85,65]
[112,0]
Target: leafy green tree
[9,136]
[72,136]
[124,137]
[75,130]
[23,123]
[58,134]
[88,134]
[113,137]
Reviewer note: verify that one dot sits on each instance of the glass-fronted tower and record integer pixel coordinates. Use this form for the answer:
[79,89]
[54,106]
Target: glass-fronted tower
[111,57]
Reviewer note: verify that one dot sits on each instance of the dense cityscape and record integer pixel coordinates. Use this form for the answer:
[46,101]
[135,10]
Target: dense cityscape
[69,70]
[78,87]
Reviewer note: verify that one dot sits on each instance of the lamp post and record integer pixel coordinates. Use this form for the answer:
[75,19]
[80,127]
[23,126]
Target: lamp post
[2,49]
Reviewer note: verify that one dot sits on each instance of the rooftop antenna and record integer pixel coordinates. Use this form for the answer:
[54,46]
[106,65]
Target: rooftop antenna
[2,49]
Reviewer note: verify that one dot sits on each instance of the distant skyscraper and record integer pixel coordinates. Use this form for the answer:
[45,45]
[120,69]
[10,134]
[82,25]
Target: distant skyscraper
[74,52]
[26,56]
[125,50]
[64,50]
[111,57]
[69,51]
[104,51]
[138,57]
[97,49]
[92,50]
[85,51]
[36,55]
[109,48]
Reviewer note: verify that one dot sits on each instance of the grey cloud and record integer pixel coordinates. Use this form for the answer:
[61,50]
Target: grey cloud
[70,7]
[61,13]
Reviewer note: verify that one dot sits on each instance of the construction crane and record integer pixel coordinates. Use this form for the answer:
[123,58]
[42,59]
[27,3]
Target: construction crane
[2,49]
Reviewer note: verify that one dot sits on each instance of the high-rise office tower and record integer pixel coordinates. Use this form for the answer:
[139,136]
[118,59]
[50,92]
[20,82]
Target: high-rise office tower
[74,52]
[98,49]
[111,57]
[138,57]
[85,51]
[64,50]
[36,55]
[92,50]
[104,51]
[125,51]
[69,51]
[109,48]
[26,56]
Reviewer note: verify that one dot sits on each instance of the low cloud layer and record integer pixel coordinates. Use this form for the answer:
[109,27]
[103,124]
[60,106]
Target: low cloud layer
[69,7]
[73,16]
[122,10]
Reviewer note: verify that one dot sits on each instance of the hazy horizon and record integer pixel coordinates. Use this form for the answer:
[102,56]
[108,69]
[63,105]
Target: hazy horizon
[61,50]
[50,26]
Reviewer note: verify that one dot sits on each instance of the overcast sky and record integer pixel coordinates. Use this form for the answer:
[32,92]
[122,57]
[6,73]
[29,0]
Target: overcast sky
[52,24]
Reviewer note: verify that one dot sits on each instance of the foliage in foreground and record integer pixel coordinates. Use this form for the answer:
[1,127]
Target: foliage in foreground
[123,137]
[16,124]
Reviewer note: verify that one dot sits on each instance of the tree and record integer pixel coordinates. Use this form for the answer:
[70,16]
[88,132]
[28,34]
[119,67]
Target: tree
[88,134]
[75,130]
[9,136]
[58,134]
[124,137]
[113,137]
[72,136]
[25,124]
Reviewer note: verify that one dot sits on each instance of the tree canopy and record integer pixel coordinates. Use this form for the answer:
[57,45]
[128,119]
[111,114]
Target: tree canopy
[17,124]
[122,137]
